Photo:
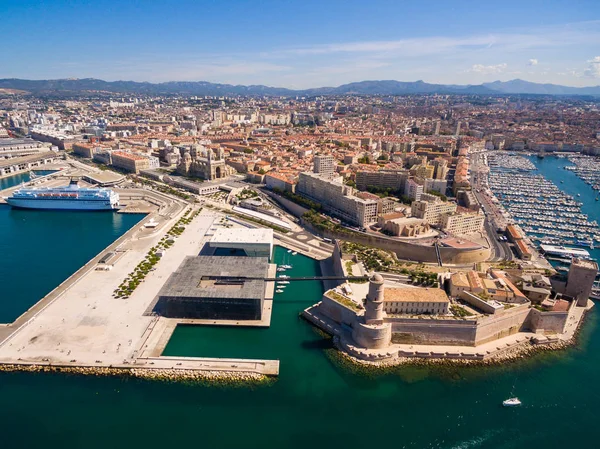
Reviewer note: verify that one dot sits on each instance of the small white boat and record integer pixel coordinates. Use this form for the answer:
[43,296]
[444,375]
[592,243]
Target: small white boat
[289,250]
[287,267]
[280,269]
[279,290]
[294,253]
[284,276]
[512,402]
[283,282]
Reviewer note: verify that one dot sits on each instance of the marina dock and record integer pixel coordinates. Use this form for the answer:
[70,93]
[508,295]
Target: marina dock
[548,215]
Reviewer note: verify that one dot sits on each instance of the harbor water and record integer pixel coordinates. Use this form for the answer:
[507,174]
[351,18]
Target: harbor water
[11,181]
[318,401]
[41,248]
[553,169]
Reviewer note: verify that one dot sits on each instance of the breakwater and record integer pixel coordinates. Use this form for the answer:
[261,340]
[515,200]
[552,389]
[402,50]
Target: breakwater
[161,374]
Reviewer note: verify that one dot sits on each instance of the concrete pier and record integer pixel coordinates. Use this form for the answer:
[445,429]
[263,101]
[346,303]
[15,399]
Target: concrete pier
[82,324]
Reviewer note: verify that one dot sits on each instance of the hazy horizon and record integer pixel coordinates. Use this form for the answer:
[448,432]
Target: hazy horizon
[282,87]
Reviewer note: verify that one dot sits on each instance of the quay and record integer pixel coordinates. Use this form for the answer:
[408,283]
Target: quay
[81,324]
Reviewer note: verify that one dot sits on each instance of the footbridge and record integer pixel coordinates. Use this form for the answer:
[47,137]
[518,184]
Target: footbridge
[234,280]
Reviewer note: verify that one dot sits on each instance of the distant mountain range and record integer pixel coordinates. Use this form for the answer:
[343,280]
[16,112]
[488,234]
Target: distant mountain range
[385,87]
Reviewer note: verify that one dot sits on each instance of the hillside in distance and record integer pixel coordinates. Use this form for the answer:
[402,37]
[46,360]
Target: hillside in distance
[381,87]
[519,86]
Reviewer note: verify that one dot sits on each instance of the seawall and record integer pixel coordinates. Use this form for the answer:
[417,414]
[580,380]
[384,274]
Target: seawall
[405,250]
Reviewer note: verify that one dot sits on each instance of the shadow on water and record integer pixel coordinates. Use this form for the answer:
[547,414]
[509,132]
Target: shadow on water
[320,345]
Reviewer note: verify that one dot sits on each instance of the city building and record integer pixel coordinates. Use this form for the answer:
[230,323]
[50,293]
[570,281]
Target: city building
[435,185]
[59,139]
[432,211]
[536,287]
[84,149]
[281,181]
[10,147]
[461,175]
[462,223]
[242,242]
[513,234]
[413,190]
[338,199]
[424,171]
[387,179]
[324,164]
[18,164]
[440,168]
[129,161]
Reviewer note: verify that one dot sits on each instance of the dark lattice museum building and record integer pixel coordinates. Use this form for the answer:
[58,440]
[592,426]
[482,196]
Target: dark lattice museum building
[215,287]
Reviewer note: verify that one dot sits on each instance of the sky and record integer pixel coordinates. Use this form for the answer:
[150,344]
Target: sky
[302,44]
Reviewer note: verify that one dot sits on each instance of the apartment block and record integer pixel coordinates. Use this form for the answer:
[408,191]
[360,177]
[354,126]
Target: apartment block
[338,199]
[394,179]
[432,211]
[324,164]
[130,161]
[462,223]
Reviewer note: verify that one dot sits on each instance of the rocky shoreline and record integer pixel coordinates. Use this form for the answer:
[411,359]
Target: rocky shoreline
[521,352]
[517,353]
[165,375]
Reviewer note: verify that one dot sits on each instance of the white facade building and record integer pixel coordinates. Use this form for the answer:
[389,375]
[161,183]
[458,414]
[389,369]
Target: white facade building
[254,242]
[324,164]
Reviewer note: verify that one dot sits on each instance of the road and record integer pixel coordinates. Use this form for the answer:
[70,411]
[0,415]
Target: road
[494,219]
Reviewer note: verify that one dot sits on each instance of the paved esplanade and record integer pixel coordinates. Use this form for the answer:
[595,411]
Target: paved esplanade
[86,325]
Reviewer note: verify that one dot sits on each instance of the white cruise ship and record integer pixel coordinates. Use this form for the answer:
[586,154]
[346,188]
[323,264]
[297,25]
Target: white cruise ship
[71,197]
[564,251]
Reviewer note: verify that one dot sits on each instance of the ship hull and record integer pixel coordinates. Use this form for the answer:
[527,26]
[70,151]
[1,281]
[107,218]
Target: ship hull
[60,204]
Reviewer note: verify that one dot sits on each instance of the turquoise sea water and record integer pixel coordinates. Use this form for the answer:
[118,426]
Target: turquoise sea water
[11,181]
[41,248]
[316,402]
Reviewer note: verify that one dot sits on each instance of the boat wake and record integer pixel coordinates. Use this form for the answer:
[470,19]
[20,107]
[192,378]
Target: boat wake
[474,442]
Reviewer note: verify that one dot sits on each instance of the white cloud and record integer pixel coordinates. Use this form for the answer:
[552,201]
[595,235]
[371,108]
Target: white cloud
[487,69]
[543,37]
[593,68]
